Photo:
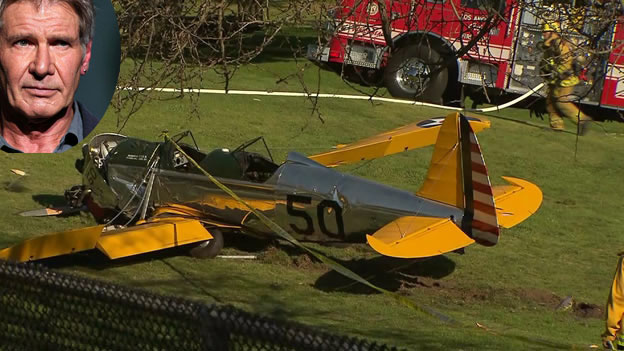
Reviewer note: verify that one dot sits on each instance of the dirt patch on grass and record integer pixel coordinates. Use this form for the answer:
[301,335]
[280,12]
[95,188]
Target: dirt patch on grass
[275,256]
[540,297]
[305,261]
[410,279]
[513,298]
[278,256]
[588,310]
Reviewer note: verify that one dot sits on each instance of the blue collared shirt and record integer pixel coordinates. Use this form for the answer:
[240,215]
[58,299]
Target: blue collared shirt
[71,138]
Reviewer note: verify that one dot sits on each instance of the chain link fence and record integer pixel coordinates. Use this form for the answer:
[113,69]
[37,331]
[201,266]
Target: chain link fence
[41,309]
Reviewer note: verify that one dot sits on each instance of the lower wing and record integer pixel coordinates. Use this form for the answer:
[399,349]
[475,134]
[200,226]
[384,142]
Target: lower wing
[116,243]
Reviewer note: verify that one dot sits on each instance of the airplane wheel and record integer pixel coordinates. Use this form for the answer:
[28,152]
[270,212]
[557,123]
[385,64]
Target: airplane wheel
[414,72]
[209,248]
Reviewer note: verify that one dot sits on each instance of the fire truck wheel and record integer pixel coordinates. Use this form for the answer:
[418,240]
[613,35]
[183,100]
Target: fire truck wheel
[209,248]
[415,72]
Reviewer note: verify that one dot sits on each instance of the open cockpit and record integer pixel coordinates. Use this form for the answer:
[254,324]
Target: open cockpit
[238,164]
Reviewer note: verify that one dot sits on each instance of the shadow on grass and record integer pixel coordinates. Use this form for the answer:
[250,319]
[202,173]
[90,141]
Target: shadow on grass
[386,272]
[284,46]
[49,200]
[15,186]
[99,262]
[246,243]
[268,297]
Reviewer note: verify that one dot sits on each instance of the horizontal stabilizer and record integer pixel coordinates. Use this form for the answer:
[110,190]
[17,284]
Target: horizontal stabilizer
[413,237]
[516,202]
[117,243]
[408,137]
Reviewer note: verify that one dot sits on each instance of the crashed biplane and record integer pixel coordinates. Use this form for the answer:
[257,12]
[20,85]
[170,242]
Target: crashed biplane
[164,200]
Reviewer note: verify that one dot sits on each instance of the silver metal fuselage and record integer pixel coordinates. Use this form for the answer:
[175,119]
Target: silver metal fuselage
[307,199]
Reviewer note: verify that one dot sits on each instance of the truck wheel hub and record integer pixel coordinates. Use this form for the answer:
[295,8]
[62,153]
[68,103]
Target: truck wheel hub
[413,75]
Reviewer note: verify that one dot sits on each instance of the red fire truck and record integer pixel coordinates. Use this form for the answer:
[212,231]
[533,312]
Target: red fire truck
[425,48]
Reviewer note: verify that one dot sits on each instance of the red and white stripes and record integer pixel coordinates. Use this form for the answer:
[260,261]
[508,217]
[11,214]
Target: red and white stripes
[484,223]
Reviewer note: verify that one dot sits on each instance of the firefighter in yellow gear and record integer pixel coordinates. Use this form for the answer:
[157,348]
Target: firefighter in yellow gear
[613,337]
[559,67]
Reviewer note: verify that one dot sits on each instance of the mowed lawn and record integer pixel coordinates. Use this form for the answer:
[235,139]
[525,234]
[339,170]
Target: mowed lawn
[568,248]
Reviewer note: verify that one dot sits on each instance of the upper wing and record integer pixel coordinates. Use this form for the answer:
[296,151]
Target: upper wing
[413,236]
[516,202]
[411,136]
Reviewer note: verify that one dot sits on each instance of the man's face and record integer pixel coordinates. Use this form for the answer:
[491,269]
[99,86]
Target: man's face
[41,58]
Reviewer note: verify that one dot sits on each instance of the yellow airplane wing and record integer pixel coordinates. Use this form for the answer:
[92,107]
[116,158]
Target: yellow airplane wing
[411,136]
[117,243]
[516,202]
[413,237]
[55,244]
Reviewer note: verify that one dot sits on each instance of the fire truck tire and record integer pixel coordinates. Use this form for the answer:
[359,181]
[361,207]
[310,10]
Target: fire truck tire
[414,72]
[209,248]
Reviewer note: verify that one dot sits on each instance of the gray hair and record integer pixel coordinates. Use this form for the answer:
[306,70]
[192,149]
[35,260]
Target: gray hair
[83,8]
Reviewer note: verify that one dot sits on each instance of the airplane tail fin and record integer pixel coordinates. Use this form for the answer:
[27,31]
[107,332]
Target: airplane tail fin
[458,177]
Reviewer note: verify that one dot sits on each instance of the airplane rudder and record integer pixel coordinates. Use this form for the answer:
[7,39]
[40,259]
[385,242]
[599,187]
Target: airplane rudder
[480,219]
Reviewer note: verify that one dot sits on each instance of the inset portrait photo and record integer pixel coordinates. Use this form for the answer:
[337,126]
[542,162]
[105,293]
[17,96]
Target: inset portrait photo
[59,65]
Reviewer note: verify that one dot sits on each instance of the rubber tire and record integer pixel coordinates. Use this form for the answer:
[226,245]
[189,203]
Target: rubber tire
[209,248]
[437,83]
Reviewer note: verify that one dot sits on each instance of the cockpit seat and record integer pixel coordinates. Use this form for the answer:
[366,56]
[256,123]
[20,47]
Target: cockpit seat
[221,163]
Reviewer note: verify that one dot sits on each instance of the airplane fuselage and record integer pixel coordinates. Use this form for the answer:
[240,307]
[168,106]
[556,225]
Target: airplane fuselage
[309,200]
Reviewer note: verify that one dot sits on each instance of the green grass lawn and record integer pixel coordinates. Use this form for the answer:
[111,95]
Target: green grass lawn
[569,248]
